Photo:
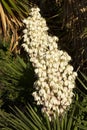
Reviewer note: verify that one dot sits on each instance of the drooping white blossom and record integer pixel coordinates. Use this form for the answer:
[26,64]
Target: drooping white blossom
[56,78]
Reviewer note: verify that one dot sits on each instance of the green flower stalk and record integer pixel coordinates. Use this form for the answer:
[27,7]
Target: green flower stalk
[56,78]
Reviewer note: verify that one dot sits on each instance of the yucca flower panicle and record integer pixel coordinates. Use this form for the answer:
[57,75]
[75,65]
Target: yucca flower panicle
[56,78]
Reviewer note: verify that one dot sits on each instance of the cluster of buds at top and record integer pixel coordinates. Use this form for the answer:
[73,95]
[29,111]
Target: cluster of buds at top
[56,78]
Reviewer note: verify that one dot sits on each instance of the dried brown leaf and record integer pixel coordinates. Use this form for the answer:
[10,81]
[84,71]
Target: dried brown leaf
[3,19]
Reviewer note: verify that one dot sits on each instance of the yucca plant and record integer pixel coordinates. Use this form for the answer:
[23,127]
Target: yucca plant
[12,12]
[30,118]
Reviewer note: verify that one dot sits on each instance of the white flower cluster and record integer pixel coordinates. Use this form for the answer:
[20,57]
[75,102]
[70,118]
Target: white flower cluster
[56,78]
